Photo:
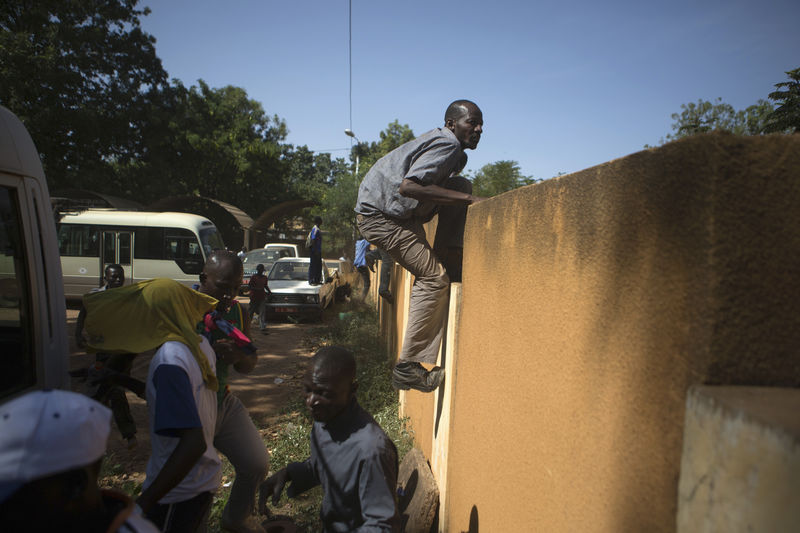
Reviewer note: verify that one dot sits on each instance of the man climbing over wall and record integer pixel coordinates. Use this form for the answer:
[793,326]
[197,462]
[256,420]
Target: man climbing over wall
[402,191]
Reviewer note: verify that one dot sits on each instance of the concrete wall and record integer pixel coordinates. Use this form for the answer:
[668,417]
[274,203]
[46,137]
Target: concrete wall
[741,460]
[590,303]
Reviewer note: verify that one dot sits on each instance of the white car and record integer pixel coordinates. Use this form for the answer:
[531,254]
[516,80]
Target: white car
[284,249]
[292,295]
[339,266]
[250,263]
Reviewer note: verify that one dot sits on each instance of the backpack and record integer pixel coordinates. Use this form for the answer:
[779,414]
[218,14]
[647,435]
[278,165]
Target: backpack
[309,242]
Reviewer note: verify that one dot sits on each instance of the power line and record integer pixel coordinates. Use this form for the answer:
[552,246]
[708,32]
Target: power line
[350,59]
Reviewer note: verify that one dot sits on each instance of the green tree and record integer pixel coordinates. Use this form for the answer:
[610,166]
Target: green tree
[336,209]
[393,136]
[339,198]
[705,116]
[785,117]
[307,175]
[80,74]
[499,177]
[212,142]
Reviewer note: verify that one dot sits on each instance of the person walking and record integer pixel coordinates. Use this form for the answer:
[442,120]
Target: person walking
[184,470]
[110,371]
[259,289]
[235,435]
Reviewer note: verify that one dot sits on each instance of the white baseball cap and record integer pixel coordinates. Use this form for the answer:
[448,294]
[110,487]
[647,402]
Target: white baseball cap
[47,432]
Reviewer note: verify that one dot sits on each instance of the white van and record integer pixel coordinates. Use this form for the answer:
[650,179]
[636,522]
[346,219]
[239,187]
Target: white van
[33,326]
[147,245]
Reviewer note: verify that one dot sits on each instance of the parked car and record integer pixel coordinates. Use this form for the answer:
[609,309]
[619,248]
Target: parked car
[292,295]
[284,248]
[252,259]
[340,266]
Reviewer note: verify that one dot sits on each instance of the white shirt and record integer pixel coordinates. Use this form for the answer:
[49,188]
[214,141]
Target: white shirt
[205,475]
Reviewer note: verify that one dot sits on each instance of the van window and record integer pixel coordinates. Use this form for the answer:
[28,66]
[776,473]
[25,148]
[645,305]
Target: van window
[17,363]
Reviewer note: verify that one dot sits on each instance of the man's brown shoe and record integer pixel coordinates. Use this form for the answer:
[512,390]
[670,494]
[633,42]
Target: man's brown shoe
[414,376]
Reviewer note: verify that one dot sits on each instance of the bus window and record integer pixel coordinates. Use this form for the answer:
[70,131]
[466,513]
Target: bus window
[117,248]
[211,240]
[182,246]
[124,248]
[109,247]
[78,240]
[149,243]
[17,357]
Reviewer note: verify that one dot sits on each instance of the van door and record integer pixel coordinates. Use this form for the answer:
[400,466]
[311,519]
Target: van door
[33,326]
[117,248]
[33,340]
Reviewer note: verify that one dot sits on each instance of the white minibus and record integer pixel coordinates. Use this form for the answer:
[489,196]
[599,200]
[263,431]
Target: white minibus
[147,245]
[33,327]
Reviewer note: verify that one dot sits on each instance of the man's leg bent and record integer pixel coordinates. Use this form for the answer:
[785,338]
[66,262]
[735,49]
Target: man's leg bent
[405,242]
[238,439]
[262,315]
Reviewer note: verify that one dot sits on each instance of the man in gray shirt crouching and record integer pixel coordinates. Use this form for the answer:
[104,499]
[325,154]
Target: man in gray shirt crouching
[402,191]
[351,456]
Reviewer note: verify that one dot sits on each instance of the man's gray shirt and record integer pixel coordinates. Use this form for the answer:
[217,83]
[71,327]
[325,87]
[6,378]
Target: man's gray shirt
[429,159]
[356,463]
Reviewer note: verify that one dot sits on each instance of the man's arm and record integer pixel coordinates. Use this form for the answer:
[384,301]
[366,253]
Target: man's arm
[376,489]
[301,475]
[175,415]
[245,321]
[249,361]
[436,194]
[79,328]
[227,352]
[191,446]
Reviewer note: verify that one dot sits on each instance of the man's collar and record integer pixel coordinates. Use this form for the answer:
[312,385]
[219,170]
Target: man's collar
[344,417]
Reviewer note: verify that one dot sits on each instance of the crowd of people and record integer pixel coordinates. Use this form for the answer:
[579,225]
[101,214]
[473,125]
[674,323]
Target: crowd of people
[52,443]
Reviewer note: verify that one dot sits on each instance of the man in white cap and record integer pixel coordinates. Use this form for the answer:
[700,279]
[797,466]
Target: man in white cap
[51,446]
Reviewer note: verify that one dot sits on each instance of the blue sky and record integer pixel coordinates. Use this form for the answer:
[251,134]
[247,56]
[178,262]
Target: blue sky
[563,85]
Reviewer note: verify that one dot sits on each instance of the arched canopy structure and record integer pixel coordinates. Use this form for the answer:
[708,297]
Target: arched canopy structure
[81,198]
[276,212]
[182,202]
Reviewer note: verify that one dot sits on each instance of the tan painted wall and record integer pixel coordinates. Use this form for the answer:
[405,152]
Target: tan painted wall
[590,304]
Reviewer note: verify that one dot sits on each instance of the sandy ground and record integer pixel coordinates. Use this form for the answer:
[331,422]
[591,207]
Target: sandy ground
[282,356]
